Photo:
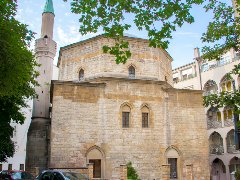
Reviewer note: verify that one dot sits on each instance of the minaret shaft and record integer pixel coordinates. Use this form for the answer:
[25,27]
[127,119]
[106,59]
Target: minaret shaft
[47,25]
[37,150]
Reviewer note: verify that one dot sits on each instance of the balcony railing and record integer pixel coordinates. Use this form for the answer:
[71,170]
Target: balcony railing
[232,149]
[219,64]
[216,149]
[228,122]
[184,78]
[207,93]
[211,123]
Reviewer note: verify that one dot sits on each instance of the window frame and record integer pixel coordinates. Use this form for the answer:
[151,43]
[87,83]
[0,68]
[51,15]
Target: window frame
[131,72]
[145,120]
[81,75]
[125,119]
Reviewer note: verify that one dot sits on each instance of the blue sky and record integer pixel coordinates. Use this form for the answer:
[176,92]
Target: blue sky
[66,26]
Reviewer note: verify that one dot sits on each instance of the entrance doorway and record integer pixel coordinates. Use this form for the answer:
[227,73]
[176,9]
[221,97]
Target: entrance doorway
[96,167]
[173,167]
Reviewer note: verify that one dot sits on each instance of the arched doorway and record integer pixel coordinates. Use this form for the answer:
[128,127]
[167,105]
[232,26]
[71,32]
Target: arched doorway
[234,164]
[218,171]
[96,156]
[216,143]
[173,159]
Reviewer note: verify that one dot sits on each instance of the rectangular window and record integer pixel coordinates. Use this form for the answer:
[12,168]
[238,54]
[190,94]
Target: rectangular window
[173,167]
[145,120]
[125,119]
[9,166]
[22,167]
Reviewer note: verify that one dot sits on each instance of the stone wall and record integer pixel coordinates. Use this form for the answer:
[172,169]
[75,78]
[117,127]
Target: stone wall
[149,63]
[86,117]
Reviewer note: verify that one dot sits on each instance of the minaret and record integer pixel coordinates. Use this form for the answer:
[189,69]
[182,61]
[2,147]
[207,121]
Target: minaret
[38,133]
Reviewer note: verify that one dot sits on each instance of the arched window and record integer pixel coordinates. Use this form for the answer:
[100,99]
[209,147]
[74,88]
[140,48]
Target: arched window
[214,119]
[234,164]
[145,117]
[231,148]
[216,143]
[131,72]
[125,116]
[227,83]
[81,75]
[210,87]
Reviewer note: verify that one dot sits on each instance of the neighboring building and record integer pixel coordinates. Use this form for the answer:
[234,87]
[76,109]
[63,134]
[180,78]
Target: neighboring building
[210,76]
[17,162]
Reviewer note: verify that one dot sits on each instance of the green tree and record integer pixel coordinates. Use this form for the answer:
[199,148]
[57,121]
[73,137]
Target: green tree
[131,172]
[237,174]
[223,31]
[17,74]
[159,18]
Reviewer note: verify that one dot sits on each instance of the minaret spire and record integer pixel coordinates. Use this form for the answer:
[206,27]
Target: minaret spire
[48,8]
[47,20]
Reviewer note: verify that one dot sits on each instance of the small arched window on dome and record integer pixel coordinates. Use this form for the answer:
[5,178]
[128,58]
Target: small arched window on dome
[81,75]
[131,72]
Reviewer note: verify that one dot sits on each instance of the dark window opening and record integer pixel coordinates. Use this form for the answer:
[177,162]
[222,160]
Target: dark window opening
[81,75]
[173,167]
[10,167]
[131,72]
[145,120]
[22,167]
[125,119]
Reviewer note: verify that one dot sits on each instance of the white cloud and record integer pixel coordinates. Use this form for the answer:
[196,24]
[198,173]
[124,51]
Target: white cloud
[71,35]
[65,38]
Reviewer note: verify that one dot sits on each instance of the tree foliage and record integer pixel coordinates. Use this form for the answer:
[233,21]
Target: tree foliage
[158,17]
[131,172]
[17,74]
[237,174]
[223,31]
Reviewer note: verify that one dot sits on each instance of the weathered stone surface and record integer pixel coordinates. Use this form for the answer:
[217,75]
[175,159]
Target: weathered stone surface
[176,119]
[87,115]
[150,63]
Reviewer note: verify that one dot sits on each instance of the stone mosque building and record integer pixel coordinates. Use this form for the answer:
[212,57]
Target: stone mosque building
[110,114]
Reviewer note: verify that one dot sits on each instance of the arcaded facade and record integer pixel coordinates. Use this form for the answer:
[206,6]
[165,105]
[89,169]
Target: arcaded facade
[109,114]
[211,77]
